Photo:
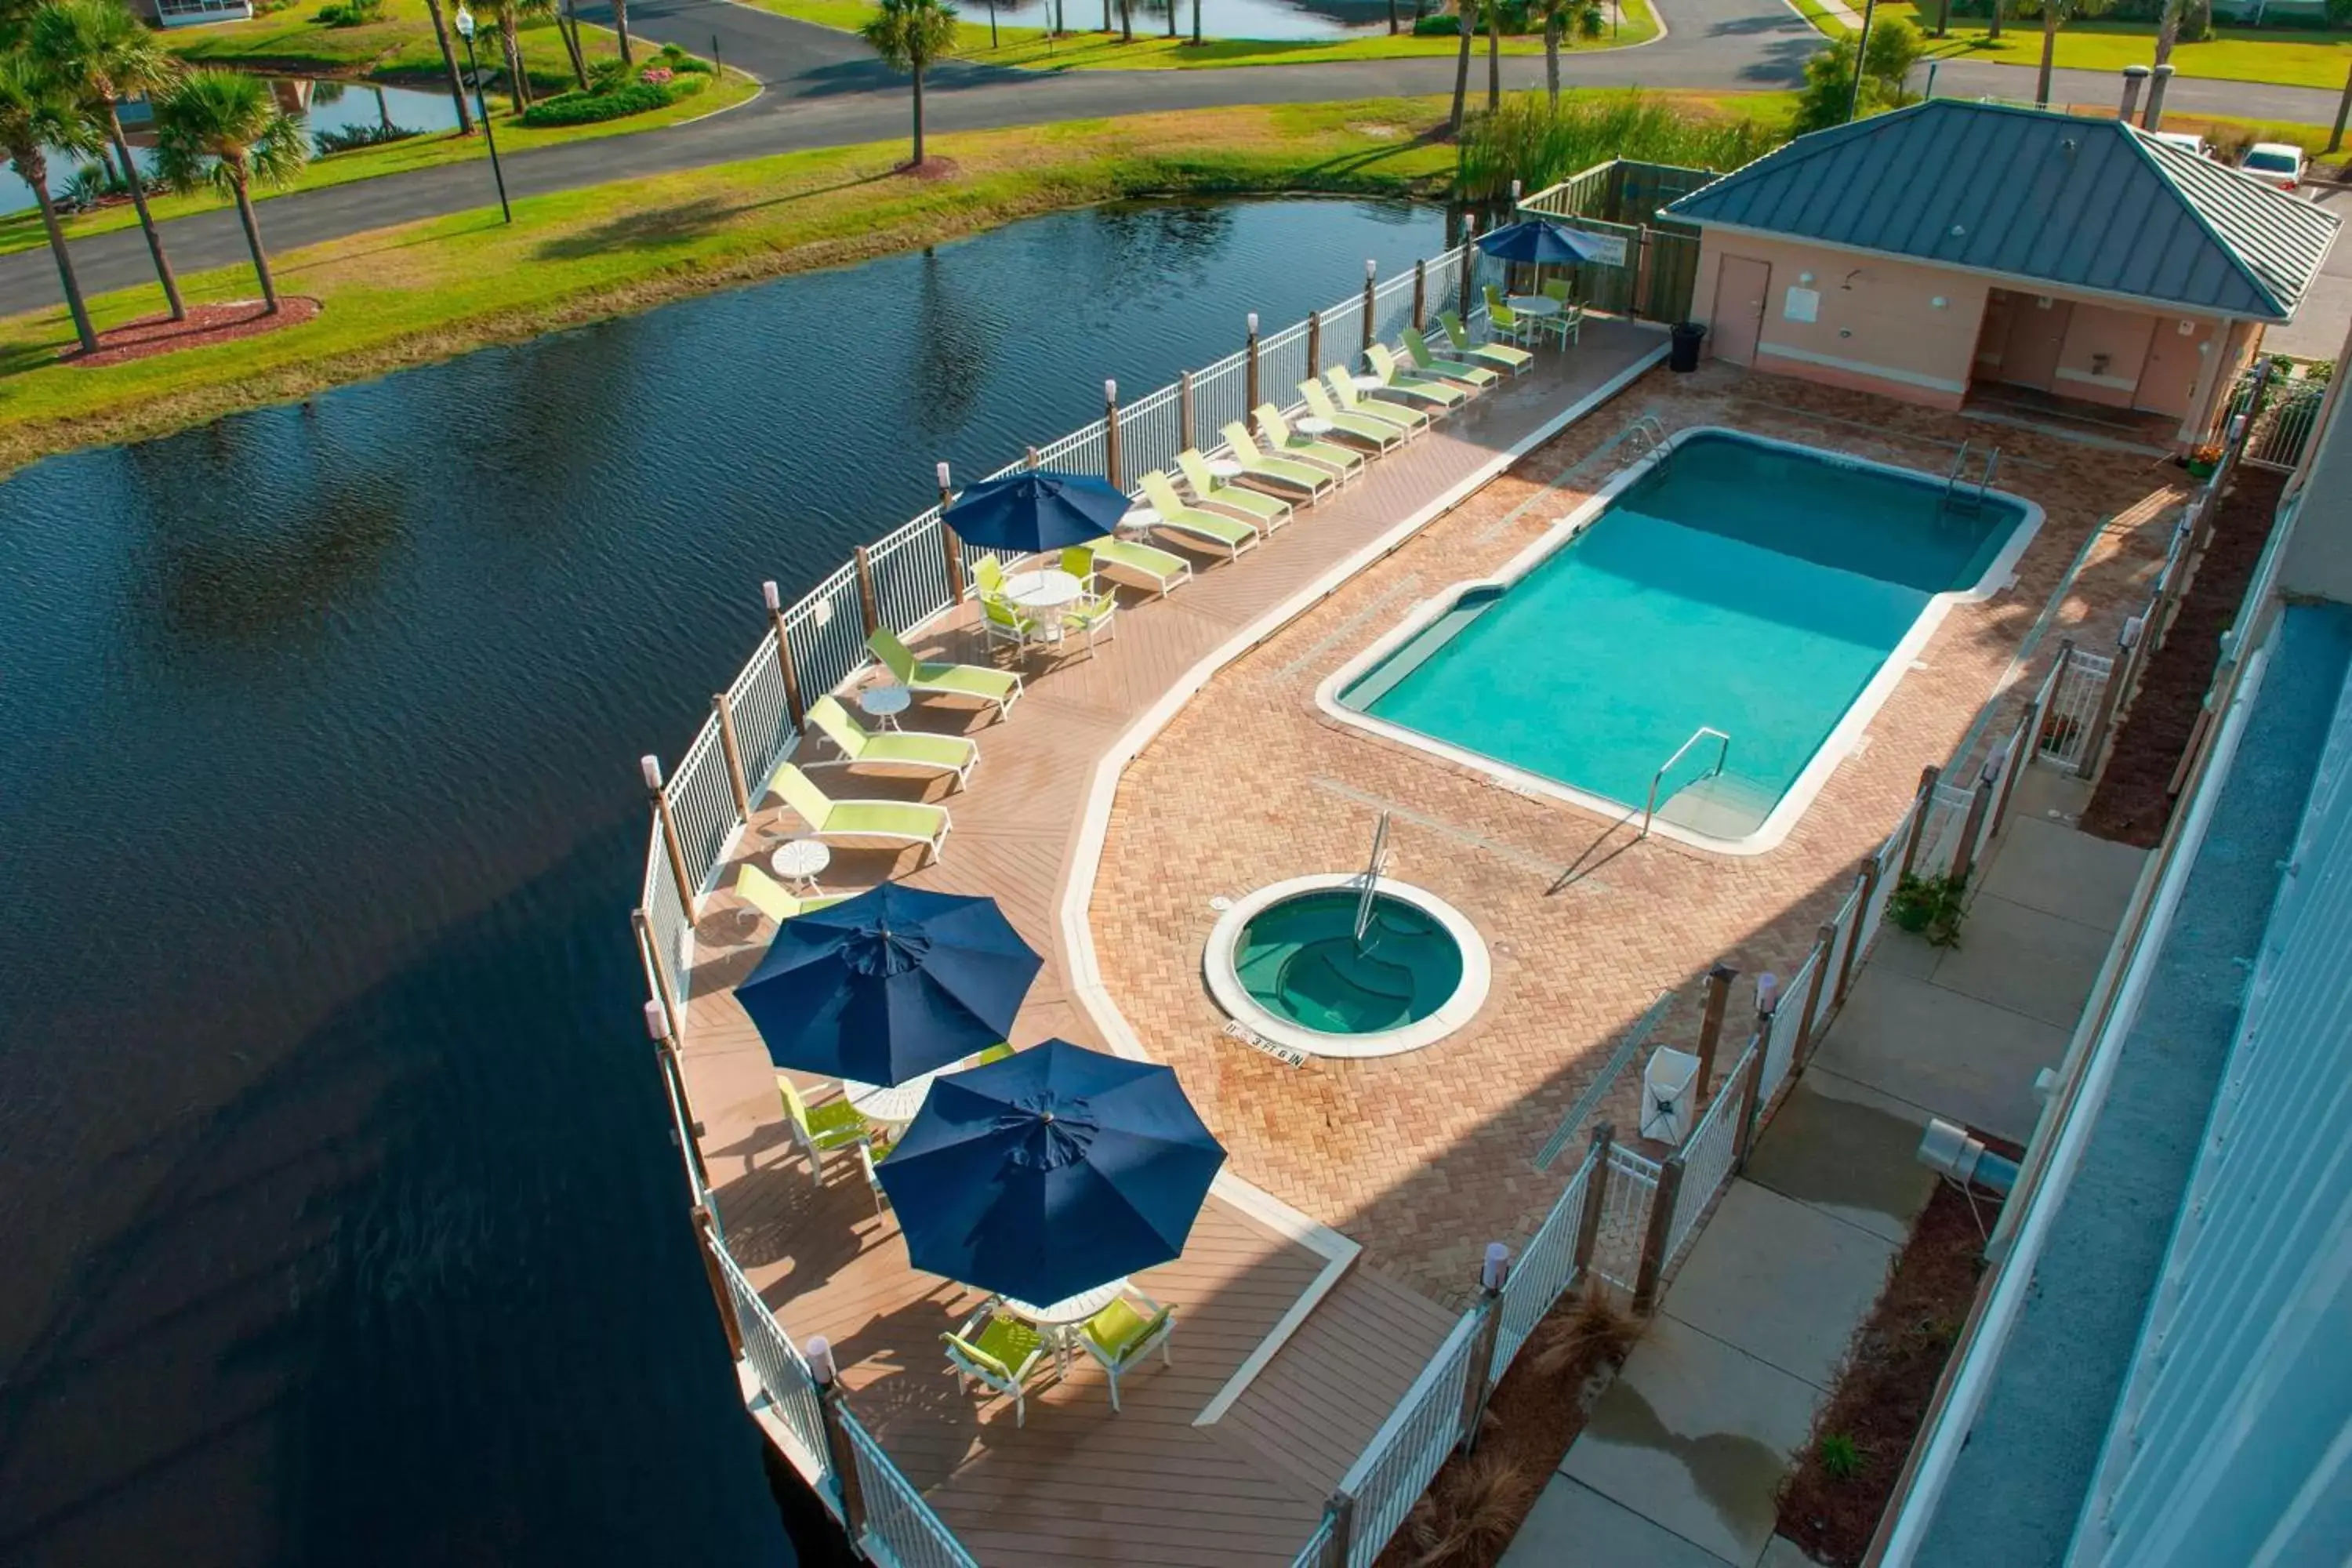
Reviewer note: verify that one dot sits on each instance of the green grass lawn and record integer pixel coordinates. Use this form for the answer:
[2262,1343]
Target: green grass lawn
[1095,50]
[2280,56]
[400,46]
[426,290]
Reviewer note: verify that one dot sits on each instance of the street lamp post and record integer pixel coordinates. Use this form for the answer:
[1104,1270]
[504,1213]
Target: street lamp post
[1861,48]
[481,106]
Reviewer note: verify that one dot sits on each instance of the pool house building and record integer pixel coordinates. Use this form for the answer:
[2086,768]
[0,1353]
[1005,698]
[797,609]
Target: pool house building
[1957,251]
[1490,953]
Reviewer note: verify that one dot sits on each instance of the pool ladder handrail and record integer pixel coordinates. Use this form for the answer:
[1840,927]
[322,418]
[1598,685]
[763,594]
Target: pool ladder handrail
[1372,869]
[1722,758]
[1647,434]
[1953,489]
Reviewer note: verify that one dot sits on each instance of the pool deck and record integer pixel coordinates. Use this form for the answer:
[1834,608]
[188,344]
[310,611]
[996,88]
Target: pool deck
[1235,781]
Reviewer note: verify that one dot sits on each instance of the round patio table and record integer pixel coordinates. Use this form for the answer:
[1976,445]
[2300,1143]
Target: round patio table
[1058,1322]
[1225,469]
[893,1105]
[885,701]
[1139,522]
[1316,427]
[801,861]
[1535,305]
[1047,593]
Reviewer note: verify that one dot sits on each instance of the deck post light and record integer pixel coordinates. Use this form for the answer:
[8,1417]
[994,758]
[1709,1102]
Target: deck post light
[1110,434]
[1767,998]
[1492,1272]
[1860,51]
[1371,273]
[482,108]
[1249,395]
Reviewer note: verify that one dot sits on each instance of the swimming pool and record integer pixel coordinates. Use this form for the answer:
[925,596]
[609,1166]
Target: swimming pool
[1755,599]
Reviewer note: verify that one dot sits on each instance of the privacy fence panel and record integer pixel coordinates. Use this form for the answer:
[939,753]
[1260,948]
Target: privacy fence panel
[1788,1022]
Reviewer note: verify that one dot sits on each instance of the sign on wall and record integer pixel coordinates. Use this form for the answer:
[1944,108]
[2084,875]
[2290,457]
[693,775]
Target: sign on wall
[1803,305]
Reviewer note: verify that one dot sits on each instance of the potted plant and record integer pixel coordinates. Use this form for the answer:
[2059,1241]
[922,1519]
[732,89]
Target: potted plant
[1930,906]
[2203,460]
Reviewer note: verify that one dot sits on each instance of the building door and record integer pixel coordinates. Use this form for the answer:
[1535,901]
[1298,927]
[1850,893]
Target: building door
[2175,360]
[1741,284]
[2037,337]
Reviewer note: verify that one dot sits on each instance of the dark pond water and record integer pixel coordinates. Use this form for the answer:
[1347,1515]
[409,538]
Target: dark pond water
[339,1221]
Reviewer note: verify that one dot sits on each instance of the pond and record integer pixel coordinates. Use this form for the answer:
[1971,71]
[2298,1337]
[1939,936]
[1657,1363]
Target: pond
[342,1223]
[325,105]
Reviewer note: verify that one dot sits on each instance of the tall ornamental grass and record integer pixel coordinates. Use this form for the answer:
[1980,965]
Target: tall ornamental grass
[1538,144]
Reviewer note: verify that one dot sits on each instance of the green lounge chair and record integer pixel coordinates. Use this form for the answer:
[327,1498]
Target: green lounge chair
[1502,356]
[768,896]
[1380,433]
[956,754]
[926,679]
[835,1124]
[987,576]
[1416,348]
[1157,567]
[1122,1334]
[897,821]
[1393,377]
[1353,400]
[1230,534]
[1345,461]
[1001,1354]
[1268,512]
[1288,472]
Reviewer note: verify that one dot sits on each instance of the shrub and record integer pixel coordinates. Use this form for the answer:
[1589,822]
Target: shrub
[687,65]
[1445,27]
[1932,907]
[1841,1459]
[351,13]
[591,108]
[609,75]
[1529,141]
[352,137]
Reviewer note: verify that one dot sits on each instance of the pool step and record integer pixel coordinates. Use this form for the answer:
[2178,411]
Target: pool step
[1721,805]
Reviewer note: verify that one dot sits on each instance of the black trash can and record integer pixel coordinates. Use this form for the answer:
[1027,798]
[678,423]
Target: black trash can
[1684,355]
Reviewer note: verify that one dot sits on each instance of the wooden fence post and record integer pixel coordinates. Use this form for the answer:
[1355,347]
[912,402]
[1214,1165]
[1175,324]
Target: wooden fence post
[1034,460]
[1469,264]
[673,847]
[1924,805]
[1338,1545]
[1111,435]
[1314,344]
[667,998]
[736,783]
[1865,886]
[1250,377]
[2119,672]
[867,609]
[1825,943]
[1371,273]
[1420,292]
[839,1453]
[1660,1230]
[1596,1201]
[1476,1384]
[1964,858]
[706,1245]
[657,1026]
[1185,442]
[784,666]
[1751,1097]
[1711,1027]
[950,545]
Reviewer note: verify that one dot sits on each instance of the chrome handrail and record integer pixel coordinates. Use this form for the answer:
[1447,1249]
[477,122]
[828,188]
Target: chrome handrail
[1952,479]
[1722,758]
[1372,878]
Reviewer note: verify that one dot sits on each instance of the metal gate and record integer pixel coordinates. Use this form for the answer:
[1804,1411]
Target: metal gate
[2282,409]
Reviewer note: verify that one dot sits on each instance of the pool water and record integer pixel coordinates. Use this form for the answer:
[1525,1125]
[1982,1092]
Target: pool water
[1742,585]
[1299,959]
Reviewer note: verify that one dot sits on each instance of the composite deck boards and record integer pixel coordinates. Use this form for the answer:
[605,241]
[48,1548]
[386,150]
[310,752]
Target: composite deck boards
[1077,1485]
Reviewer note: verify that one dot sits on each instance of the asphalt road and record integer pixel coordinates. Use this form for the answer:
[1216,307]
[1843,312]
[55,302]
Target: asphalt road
[826,88]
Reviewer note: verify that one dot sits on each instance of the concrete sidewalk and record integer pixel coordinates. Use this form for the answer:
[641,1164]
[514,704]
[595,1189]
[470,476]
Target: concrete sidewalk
[1678,1465]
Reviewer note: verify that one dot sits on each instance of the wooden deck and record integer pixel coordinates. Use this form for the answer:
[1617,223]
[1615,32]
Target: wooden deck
[1077,1484]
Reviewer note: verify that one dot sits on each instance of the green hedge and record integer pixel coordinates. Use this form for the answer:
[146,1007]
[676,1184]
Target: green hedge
[589,108]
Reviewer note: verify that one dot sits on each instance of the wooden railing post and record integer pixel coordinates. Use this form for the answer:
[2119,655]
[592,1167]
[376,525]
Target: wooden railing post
[1964,858]
[1751,1097]
[1476,1386]
[705,1244]
[665,1053]
[1924,804]
[1337,1546]
[1185,440]
[1314,344]
[1420,292]
[667,998]
[1469,265]
[673,846]
[839,1452]
[1660,1230]
[784,666]
[1111,435]
[1371,273]
[950,545]
[2119,674]
[1711,1027]
[868,609]
[736,783]
[1034,460]
[1596,1200]
[1865,885]
[1825,943]
[1249,376]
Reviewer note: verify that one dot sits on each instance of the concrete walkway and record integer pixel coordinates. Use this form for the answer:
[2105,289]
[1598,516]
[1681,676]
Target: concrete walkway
[1678,1465]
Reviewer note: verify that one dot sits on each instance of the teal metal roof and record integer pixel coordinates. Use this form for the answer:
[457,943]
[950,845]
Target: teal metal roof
[2078,203]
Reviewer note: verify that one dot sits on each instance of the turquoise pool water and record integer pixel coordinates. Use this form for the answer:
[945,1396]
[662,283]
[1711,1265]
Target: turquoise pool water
[1742,585]
[1299,959]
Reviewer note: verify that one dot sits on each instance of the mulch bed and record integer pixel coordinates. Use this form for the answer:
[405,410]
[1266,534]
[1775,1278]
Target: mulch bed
[205,325]
[2133,801]
[1883,1390]
[930,169]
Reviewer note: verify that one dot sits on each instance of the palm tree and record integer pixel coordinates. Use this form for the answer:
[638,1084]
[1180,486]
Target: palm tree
[1493,55]
[1466,17]
[2054,13]
[449,61]
[1555,22]
[102,54]
[508,15]
[620,26]
[224,129]
[39,112]
[909,35]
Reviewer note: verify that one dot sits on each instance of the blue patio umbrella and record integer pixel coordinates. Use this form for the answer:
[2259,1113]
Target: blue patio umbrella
[889,984]
[1537,243]
[1037,510]
[1052,1171]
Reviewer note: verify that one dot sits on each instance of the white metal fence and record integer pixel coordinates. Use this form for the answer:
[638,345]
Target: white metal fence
[900,1530]
[1544,1269]
[1624,1215]
[2073,706]
[784,1378]
[1788,1022]
[1396,1465]
[1708,1155]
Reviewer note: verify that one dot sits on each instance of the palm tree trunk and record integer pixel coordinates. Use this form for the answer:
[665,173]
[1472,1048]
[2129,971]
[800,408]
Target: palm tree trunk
[1172,18]
[1551,58]
[2168,31]
[1196,21]
[1943,17]
[919,116]
[449,59]
[567,22]
[383,110]
[1127,21]
[1993,32]
[620,26]
[1392,18]
[518,79]
[1493,56]
[253,242]
[2049,52]
[1461,63]
[146,222]
[37,175]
